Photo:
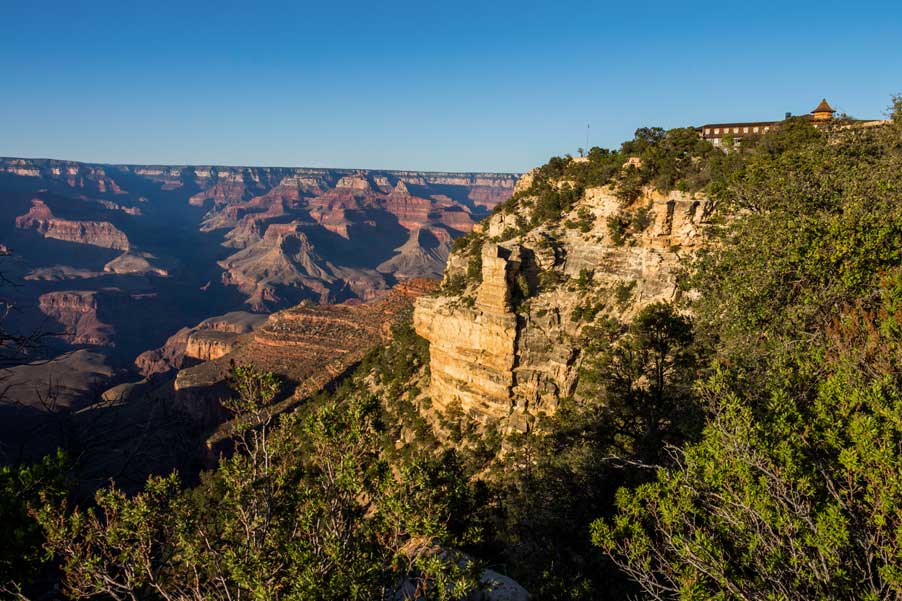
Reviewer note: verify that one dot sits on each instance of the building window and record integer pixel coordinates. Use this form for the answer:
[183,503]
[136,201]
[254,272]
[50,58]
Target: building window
[745,130]
[716,130]
[755,130]
[707,131]
[735,130]
[766,129]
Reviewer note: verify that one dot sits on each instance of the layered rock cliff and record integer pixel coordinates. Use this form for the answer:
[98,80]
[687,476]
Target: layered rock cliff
[505,333]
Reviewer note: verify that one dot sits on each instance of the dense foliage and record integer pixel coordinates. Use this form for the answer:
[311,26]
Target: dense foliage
[303,509]
[21,554]
[794,490]
[555,480]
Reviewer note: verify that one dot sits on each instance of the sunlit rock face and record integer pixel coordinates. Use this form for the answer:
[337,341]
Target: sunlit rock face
[508,347]
[208,340]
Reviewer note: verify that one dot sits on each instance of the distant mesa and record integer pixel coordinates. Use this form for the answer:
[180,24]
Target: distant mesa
[94,233]
[135,263]
[82,176]
[353,182]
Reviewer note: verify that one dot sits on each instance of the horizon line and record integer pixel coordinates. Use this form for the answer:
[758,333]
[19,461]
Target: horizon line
[226,166]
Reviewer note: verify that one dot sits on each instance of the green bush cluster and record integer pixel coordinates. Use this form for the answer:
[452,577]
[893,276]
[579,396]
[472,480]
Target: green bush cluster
[677,159]
[625,224]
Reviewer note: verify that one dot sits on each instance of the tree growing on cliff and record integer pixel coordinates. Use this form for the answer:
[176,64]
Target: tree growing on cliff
[644,383]
[634,397]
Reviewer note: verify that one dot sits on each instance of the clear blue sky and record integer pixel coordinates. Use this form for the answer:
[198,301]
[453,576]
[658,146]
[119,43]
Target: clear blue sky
[489,86]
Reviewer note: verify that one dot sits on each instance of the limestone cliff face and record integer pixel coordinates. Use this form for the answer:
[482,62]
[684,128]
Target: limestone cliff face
[207,345]
[472,352]
[508,346]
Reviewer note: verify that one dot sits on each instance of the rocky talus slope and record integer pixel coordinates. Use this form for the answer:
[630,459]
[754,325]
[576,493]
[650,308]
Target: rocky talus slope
[506,344]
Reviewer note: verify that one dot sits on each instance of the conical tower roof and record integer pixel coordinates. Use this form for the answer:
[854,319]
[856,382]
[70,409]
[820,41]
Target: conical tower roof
[823,107]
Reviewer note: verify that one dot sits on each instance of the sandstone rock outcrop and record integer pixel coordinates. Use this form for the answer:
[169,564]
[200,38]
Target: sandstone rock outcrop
[206,345]
[165,358]
[472,349]
[507,348]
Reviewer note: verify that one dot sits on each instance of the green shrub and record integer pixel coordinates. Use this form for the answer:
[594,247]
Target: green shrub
[641,219]
[474,267]
[454,285]
[618,228]
[623,292]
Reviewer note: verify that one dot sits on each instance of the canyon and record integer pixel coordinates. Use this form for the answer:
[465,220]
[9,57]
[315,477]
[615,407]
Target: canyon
[133,263]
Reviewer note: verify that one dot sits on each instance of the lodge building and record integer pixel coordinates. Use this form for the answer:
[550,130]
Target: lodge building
[715,132]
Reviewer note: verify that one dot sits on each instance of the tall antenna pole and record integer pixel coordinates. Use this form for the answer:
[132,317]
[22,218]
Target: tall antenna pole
[587,137]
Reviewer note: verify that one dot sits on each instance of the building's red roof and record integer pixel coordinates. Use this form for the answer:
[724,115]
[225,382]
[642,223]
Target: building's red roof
[823,107]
